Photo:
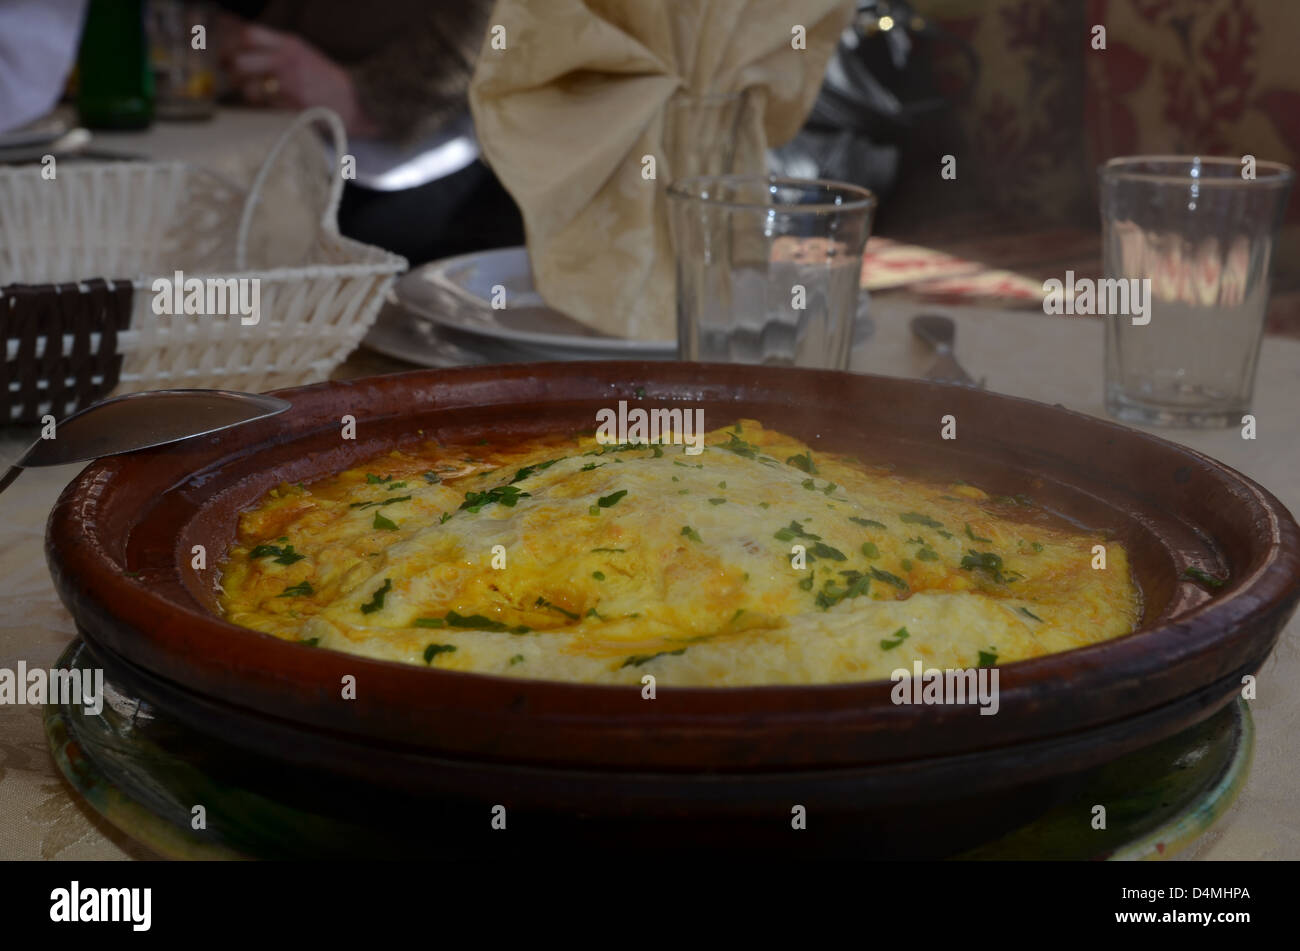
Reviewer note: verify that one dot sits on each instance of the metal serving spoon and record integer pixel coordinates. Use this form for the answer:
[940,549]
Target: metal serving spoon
[142,421]
[940,333]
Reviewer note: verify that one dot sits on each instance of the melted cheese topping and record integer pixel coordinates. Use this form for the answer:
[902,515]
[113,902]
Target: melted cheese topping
[758,561]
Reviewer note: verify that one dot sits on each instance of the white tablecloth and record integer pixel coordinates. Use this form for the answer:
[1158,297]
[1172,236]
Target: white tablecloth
[1055,360]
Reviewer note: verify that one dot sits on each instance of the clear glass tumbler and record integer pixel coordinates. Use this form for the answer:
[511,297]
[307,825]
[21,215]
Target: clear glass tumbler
[768,268]
[713,135]
[1198,234]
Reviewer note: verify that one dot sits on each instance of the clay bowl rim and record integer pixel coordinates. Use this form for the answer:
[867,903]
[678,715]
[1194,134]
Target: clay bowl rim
[90,579]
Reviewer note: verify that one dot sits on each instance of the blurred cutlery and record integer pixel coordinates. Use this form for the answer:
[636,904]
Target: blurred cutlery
[941,334]
[142,421]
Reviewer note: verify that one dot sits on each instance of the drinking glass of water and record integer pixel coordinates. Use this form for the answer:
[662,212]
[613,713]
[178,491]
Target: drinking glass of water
[768,268]
[1195,236]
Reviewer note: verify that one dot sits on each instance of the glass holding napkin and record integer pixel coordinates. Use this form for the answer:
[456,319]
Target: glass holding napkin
[572,110]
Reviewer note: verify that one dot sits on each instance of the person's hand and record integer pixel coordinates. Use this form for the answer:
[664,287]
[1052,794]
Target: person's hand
[270,68]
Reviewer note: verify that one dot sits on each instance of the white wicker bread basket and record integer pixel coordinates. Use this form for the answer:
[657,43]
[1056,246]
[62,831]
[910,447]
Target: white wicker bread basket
[141,221]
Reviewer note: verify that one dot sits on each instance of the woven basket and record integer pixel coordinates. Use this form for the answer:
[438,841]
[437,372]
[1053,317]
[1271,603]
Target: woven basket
[88,245]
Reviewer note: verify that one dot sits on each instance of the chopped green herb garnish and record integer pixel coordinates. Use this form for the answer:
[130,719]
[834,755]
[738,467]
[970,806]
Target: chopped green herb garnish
[927,554]
[598,575]
[1196,574]
[888,578]
[376,601]
[612,499]
[527,471]
[868,522]
[973,537]
[856,584]
[637,660]
[283,556]
[691,533]
[300,590]
[1028,613]
[615,447]
[433,650]
[610,549]
[543,603]
[803,461]
[506,495]
[592,465]
[722,484]
[431,477]
[442,519]
[916,518]
[807,583]
[310,641]
[392,501]
[822,550]
[900,635]
[478,622]
[989,562]
[740,447]
[794,530]
[870,550]
[429,622]
[372,479]
[809,484]
[381,522]
[517,659]
[717,501]
[988,658]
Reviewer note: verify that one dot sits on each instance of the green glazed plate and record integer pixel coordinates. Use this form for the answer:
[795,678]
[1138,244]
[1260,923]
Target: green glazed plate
[124,762]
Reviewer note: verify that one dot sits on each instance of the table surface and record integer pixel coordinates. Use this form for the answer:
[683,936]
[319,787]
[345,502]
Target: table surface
[1054,360]
[1021,353]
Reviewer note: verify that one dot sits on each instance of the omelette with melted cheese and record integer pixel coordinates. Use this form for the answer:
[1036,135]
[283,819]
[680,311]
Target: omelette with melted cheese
[755,561]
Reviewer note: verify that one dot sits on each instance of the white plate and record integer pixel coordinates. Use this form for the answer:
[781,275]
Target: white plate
[41,132]
[397,333]
[70,143]
[456,295]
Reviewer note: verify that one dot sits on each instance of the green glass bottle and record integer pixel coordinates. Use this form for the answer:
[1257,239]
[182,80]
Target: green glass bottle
[114,81]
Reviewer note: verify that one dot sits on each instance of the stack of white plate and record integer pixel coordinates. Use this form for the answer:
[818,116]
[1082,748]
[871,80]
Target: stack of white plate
[444,316]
